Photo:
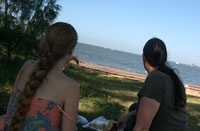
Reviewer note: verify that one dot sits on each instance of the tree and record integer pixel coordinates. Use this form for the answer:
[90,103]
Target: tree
[22,23]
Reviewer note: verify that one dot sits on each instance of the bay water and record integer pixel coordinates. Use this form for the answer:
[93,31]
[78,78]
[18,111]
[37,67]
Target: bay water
[130,62]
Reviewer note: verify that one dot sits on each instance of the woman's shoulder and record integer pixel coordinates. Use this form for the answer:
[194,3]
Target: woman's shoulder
[71,82]
[29,63]
[157,74]
[67,83]
[67,89]
[28,66]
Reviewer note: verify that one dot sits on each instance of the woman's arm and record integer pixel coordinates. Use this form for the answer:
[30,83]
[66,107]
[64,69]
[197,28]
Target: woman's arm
[124,119]
[71,108]
[147,110]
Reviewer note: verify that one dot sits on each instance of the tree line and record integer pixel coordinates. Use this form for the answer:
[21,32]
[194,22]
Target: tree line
[22,24]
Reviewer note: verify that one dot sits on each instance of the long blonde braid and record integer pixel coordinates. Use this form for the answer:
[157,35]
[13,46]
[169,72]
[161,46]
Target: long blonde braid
[59,39]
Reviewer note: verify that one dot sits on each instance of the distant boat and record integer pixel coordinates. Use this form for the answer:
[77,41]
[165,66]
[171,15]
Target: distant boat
[177,63]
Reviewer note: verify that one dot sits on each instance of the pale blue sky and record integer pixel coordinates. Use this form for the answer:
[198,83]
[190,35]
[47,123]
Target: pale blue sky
[127,24]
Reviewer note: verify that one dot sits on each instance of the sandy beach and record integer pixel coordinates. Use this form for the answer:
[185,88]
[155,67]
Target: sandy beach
[190,90]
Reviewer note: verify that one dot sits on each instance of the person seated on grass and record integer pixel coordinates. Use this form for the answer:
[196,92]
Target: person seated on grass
[43,98]
[74,58]
[162,99]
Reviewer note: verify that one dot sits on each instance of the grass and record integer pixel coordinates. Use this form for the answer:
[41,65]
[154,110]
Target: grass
[100,96]
[103,96]
[193,113]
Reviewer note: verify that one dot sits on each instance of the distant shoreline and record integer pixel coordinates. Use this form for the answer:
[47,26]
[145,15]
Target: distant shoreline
[105,71]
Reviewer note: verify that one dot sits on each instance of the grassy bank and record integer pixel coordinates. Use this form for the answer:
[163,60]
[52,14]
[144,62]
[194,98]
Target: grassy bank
[101,96]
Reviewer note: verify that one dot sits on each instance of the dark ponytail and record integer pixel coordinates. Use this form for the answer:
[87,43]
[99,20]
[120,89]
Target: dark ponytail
[180,98]
[156,54]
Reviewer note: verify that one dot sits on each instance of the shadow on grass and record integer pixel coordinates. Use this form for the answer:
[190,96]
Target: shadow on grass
[123,98]
[98,87]
[193,116]
[93,85]
[192,123]
[107,109]
[84,75]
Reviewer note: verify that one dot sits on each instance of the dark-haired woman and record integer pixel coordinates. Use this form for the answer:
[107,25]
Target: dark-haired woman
[43,98]
[162,99]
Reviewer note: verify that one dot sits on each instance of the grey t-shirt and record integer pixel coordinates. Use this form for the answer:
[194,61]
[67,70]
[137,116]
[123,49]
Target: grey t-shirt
[159,86]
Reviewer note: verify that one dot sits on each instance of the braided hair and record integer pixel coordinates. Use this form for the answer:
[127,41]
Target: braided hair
[156,54]
[57,42]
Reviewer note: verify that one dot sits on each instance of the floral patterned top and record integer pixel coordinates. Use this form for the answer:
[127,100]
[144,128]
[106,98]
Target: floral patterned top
[43,115]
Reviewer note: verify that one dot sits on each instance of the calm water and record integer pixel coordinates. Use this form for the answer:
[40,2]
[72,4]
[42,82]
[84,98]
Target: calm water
[130,62]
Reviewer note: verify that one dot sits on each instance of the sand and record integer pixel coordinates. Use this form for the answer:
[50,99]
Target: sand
[190,90]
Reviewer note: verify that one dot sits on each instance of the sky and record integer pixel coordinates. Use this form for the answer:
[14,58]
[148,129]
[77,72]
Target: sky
[126,25]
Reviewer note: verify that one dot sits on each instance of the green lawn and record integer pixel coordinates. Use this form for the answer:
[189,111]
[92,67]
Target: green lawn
[100,96]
